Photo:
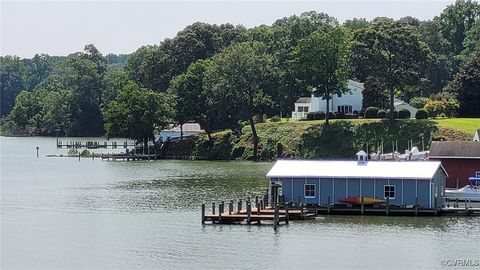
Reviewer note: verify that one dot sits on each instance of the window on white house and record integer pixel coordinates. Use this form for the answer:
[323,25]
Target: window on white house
[346,109]
[310,190]
[302,109]
[389,191]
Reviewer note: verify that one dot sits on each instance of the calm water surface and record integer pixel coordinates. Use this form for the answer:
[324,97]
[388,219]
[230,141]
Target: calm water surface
[59,213]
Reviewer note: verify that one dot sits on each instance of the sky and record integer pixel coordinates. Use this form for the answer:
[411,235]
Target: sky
[64,27]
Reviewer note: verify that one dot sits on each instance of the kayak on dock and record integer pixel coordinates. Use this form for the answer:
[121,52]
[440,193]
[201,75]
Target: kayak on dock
[358,200]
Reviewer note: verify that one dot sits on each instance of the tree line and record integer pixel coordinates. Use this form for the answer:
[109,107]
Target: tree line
[221,75]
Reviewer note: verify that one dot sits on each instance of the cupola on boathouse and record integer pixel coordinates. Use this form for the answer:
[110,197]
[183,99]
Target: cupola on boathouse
[315,182]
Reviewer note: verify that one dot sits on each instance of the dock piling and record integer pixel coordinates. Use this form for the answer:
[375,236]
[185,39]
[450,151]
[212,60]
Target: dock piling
[230,207]
[387,206]
[286,214]
[213,208]
[416,206]
[203,213]
[239,205]
[328,205]
[302,214]
[249,212]
[362,206]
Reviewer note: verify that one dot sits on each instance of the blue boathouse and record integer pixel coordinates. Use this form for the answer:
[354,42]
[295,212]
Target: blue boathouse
[315,182]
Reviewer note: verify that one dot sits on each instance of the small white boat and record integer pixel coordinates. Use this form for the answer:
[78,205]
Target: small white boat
[467,193]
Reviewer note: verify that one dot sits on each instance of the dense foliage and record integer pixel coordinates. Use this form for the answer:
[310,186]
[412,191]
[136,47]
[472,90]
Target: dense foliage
[223,75]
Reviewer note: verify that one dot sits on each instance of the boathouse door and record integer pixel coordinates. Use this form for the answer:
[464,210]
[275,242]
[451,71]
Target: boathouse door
[275,191]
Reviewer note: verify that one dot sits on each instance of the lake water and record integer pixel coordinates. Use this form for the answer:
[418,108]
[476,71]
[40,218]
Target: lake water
[61,213]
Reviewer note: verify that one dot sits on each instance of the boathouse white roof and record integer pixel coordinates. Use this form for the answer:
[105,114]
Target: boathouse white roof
[352,169]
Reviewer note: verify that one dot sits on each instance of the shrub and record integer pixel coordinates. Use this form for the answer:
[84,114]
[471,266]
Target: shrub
[421,114]
[381,114]
[395,114]
[404,114]
[418,102]
[371,112]
[340,115]
[314,116]
[275,118]
[332,115]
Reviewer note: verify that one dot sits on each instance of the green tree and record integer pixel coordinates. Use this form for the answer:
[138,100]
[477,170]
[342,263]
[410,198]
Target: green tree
[321,63]
[243,77]
[466,83]
[456,20]
[392,53]
[193,99]
[12,81]
[137,112]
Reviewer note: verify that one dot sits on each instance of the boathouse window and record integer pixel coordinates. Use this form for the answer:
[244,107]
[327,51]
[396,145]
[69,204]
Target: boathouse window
[389,191]
[477,174]
[310,190]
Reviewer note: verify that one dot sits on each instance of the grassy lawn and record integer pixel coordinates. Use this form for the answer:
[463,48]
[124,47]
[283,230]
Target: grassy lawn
[468,125]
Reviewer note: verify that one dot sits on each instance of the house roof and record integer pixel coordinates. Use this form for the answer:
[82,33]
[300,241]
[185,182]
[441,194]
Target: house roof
[304,100]
[352,169]
[192,127]
[455,149]
[356,84]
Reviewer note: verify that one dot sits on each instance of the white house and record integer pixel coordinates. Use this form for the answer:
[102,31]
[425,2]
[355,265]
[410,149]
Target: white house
[189,129]
[347,103]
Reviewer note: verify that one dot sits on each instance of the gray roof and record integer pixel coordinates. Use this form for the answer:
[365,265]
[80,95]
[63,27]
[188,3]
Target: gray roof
[454,149]
[303,100]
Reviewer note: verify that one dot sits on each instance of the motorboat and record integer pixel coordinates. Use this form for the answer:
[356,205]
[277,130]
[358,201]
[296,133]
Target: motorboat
[469,192]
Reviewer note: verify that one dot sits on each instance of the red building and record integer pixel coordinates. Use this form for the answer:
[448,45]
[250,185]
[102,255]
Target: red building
[460,159]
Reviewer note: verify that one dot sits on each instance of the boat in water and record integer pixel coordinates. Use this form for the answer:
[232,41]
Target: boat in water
[358,200]
[469,192]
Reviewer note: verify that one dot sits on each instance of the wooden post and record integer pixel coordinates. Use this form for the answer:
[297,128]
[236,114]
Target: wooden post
[220,213]
[256,200]
[249,212]
[328,205]
[286,214]
[230,207]
[239,205]
[213,208]
[78,156]
[93,156]
[203,213]
[435,206]
[387,207]
[275,217]
[259,210]
[301,211]
[456,203]
[362,206]
[39,148]
[416,206]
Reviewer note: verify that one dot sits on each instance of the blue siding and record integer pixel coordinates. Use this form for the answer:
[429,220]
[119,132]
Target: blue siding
[325,190]
[315,199]
[423,193]
[405,191]
[409,192]
[353,188]
[398,191]
[340,189]
[380,189]
[367,188]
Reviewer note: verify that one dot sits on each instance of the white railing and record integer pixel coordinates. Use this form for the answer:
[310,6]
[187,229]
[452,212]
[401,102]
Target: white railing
[299,115]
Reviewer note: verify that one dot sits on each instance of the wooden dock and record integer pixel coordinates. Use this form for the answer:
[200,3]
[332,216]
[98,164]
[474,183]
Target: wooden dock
[272,214]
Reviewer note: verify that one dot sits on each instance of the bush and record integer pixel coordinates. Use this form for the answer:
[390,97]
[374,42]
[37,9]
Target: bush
[404,114]
[371,112]
[340,115]
[275,118]
[332,115]
[421,114]
[313,116]
[418,102]
[381,114]
[395,114]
